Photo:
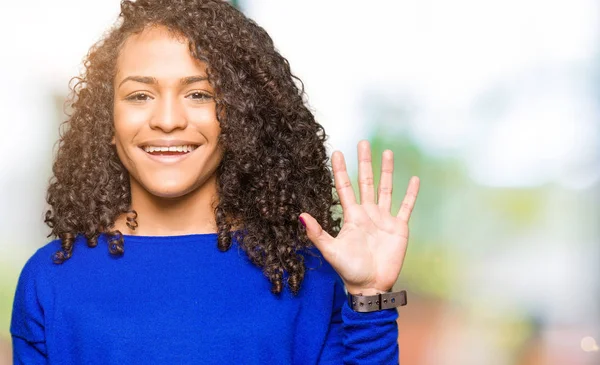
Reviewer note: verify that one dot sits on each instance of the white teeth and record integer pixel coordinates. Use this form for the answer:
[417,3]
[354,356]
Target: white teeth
[184,148]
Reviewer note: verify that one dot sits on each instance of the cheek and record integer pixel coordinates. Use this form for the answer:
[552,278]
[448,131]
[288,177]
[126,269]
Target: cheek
[127,124]
[128,121]
[206,122]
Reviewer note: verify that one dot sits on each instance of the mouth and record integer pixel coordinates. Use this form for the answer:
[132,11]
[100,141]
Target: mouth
[170,150]
[169,154]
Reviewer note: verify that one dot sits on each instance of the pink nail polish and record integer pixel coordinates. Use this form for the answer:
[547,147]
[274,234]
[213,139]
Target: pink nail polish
[302,221]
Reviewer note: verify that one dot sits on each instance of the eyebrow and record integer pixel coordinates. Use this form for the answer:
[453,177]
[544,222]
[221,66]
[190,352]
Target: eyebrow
[143,79]
[192,79]
[153,81]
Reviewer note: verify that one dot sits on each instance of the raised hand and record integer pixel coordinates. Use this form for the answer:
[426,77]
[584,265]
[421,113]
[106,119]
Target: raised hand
[369,250]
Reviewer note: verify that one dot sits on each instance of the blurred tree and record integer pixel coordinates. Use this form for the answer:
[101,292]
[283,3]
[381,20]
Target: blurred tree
[429,267]
[455,219]
[237,4]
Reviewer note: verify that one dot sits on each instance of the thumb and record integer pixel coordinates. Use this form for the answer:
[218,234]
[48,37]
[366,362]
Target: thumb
[315,232]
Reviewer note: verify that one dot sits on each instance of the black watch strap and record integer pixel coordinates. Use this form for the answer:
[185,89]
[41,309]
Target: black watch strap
[372,303]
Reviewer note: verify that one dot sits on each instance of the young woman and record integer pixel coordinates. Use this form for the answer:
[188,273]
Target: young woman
[191,159]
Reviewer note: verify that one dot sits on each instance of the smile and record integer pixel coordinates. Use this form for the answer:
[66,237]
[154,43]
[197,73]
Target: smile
[170,150]
[169,154]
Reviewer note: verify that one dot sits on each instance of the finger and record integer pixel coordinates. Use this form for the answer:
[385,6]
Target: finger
[384,192]
[342,181]
[316,233]
[365,173]
[409,199]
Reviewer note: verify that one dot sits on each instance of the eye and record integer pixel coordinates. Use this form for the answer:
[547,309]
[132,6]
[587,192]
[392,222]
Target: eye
[139,97]
[199,96]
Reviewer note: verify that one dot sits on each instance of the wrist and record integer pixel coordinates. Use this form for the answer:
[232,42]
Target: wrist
[366,291]
[380,301]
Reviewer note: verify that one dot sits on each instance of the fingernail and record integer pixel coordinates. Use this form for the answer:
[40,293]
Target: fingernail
[302,221]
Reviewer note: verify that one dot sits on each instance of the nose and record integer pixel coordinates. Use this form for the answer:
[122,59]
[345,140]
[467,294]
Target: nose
[169,115]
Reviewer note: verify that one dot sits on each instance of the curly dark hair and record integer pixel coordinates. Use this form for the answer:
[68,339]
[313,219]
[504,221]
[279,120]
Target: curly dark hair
[274,164]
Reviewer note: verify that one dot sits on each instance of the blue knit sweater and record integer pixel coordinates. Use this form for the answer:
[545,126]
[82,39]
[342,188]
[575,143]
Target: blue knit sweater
[179,300]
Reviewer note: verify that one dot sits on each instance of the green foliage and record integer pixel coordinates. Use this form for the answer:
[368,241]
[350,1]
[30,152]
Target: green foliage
[236,3]
[453,217]
[429,266]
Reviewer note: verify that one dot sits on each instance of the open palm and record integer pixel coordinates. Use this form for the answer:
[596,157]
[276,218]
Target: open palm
[369,250]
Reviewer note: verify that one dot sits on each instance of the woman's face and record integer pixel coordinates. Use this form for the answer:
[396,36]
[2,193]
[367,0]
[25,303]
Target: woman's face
[166,129]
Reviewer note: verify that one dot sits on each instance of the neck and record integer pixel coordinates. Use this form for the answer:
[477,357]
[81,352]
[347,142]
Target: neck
[189,214]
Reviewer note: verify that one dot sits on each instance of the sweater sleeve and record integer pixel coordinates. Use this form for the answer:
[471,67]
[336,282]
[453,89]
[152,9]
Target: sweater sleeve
[360,338]
[28,322]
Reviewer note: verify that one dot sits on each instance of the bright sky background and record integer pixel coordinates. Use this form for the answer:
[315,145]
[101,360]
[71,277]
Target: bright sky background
[451,60]
[507,85]
[531,59]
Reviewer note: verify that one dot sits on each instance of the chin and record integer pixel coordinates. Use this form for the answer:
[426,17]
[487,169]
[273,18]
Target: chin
[173,186]
[169,189]
[171,192]
[165,194]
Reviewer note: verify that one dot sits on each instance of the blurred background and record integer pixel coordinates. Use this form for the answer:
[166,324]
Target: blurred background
[495,104]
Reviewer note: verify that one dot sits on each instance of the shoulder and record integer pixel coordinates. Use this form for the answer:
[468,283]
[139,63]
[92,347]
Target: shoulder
[44,256]
[33,289]
[42,260]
